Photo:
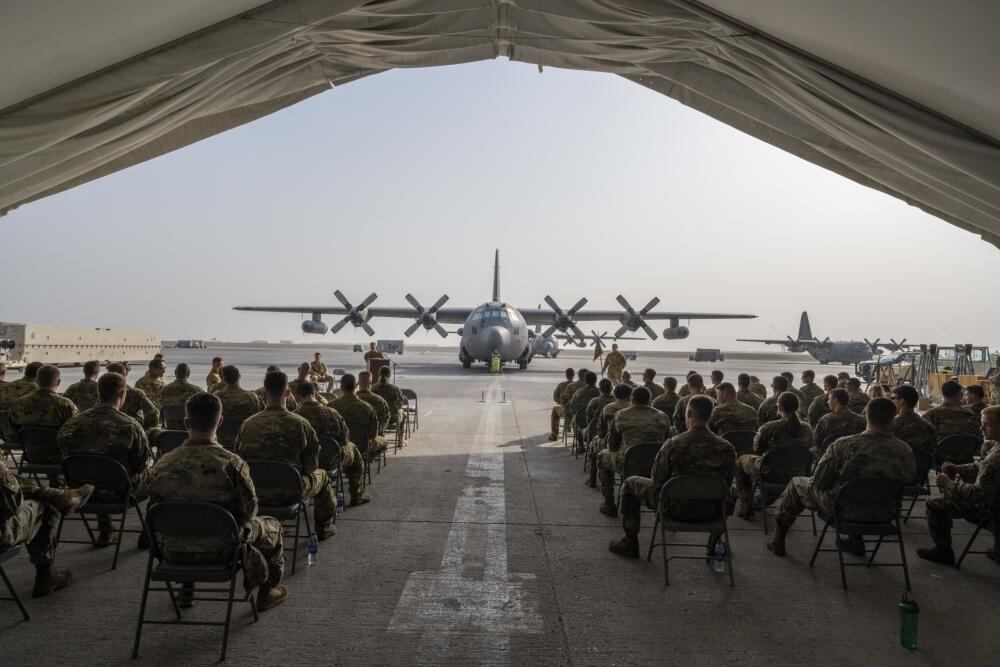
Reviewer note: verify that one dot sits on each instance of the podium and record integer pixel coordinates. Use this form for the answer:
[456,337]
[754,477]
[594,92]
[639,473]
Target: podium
[375,364]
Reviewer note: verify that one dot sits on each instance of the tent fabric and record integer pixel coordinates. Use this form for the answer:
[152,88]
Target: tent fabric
[286,51]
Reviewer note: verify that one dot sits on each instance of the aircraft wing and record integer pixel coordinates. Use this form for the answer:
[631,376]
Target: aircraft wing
[544,316]
[444,315]
[769,341]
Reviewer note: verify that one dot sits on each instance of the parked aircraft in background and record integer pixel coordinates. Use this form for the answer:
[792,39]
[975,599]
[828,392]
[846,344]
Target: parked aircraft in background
[495,326]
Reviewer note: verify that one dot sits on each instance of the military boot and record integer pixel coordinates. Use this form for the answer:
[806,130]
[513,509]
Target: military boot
[609,509]
[360,499]
[270,597]
[776,544]
[627,546]
[329,529]
[106,536]
[48,579]
[64,500]
[937,554]
[185,597]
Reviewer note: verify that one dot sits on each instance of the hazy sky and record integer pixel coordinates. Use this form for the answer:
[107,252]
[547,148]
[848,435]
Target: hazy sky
[588,184]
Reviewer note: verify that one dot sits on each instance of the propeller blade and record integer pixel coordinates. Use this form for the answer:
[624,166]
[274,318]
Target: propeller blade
[577,306]
[367,328]
[343,299]
[413,302]
[548,332]
[339,325]
[625,304]
[579,334]
[441,330]
[410,329]
[650,306]
[367,302]
[649,331]
[437,304]
[553,305]
[620,331]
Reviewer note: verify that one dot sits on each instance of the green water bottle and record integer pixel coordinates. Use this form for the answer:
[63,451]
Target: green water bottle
[909,612]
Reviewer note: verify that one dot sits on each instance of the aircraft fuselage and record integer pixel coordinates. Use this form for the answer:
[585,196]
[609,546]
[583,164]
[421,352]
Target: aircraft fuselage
[495,327]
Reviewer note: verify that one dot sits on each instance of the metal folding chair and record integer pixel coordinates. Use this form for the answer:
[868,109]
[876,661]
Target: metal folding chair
[411,407]
[4,557]
[687,489]
[921,484]
[957,449]
[990,522]
[175,520]
[873,494]
[168,441]
[742,441]
[638,461]
[228,430]
[827,441]
[9,446]
[778,467]
[40,452]
[281,495]
[113,495]
[172,417]
[327,443]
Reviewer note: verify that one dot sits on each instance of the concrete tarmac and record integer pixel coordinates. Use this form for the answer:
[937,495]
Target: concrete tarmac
[483,546]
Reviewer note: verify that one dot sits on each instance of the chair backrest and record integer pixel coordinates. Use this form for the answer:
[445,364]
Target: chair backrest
[957,449]
[172,415]
[339,371]
[639,459]
[40,444]
[409,394]
[829,440]
[109,476]
[925,461]
[703,494]
[878,499]
[189,520]
[276,482]
[780,465]
[7,431]
[230,428]
[329,451]
[742,441]
[168,441]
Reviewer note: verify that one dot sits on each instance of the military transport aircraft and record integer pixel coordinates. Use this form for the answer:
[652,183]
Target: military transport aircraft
[826,350]
[495,326]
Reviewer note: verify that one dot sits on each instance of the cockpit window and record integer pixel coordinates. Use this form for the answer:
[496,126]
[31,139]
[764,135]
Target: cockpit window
[495,317]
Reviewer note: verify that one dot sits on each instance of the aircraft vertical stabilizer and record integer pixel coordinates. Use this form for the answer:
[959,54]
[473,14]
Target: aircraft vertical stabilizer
[496,275]
[805,331]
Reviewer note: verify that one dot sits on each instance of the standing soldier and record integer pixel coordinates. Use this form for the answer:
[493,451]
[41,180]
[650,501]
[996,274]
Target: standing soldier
[152,382]
[320,372]
[84,393]
[614,364]
[372,353]
[137,405]
[559,409]
[214,379]
[177,393]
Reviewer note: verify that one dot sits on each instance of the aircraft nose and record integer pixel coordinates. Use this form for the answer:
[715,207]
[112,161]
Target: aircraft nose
[496,338]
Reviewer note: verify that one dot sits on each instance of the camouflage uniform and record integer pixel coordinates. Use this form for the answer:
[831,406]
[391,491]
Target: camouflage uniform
[203,471]
[604,421]
[238,405]
[994,383]
[576,407]
[381,411]
[373,354]
[967,497]
[321,374]
[768,411]
[109,432]
[391,394]
[42,407]
[758,389]
[138,406]
[771,435]
[915,431]
[818,408]
[949,419]
[654,389]
[362,423]
[864,456]
[977,408]
[593,415]
[680,411]
[559,409]
[83,394]
[666,403]
[838,424]
[328,424]
[213,380]
[747,397]
[153,387]
[11,391]
[614,364]
[177,393]
[713,392]
[810,392]
[694,452]
[685,390]
[290,401]
[635,424]
[24,520]
[279,435]
[732,416]
[859,400]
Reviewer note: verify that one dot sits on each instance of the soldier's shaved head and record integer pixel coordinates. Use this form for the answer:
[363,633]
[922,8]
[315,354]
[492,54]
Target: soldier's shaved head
[726,392]
[203,412]
[275,384]
[990,422]
[975,392]
[779,384]
[119,368]
[699,410]
[696,381]
[829,382]
[305,389]
[622,391]
[48,377]
[605,386]
[272,368]
[364,380]
[908,395]
[182,372]
[743,380]
[840,397]
[880,413]
[670,383]
[91,368]
[570,373]
[230,374]
[640,396]
[348,383]
[111,387]
[808,375]
[717,377]
[855,383]
[31,370]
[648,374]
[590,378]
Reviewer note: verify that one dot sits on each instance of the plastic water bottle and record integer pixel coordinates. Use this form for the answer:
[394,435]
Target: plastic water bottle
[909,612]
[313,549]
[340,502]
[719,556]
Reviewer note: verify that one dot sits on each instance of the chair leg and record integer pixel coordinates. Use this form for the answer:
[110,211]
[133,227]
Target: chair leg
[652,537]
[121,536]
[902,554]
[142,608]
[729,555]
[295,543]
[173,600]
[843,570]
[819,543]
[666,561]
[229,617]
[968,546]
[871,557]
[13,594]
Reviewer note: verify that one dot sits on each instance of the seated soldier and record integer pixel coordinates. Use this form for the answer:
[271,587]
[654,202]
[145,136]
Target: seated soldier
[966,492]
[697,451]
[200,470]
[360,417]
[137,405]
[667,401]
[637,423]
[757,388]
[821,406]
[975,399]
[304,371]
[695,387]
[840,421]
[716,379]
[391,394]
[43,407]
[279,435]
[842,378]
[788,431]
[686,388]
[238,404]
[377,402]
[559,409]
[152,382]
[859,399]
[648,381]
[768,410]
[319,372]
[622,394]
[328,424]
[872,454]
[790,376]
[176,394]
[910,427]
[576,407]
[592,414]
[106,430]
[627,379]
[84,393]
[951,417]
[29,515]
[743,393]
[291,403]
[730,414]
[810,391]
[24,385]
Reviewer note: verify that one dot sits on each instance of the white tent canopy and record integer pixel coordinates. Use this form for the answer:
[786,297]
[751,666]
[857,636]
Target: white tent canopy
[899,95]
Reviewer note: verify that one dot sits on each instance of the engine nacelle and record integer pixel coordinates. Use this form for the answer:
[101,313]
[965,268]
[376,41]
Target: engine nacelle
[676,333]
[314,327]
